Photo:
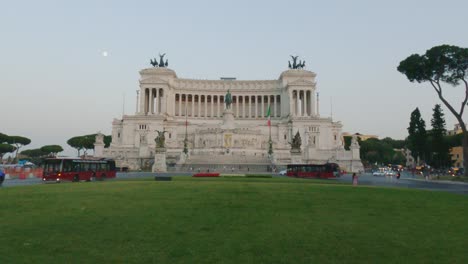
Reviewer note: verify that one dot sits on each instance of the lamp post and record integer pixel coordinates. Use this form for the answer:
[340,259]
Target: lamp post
[186,139]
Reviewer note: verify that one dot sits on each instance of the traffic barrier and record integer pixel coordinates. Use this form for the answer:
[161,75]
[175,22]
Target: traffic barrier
[22,173]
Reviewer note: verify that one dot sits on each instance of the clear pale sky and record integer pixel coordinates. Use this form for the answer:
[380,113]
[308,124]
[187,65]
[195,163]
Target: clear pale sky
[55,82]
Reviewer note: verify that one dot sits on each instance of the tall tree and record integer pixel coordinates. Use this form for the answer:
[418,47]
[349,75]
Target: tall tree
[33,153]
[417,135]
[5,148]
[86,142]
[51,149]
[442,64]
[439,145]
[76,143]
[18,142]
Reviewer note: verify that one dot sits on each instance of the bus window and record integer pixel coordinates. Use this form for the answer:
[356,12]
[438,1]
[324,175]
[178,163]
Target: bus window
[76,166]
[67,165]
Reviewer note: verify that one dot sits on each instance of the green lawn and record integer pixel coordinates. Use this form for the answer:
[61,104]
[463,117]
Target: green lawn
[234,220]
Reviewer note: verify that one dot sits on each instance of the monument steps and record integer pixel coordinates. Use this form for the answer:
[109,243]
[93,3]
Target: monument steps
[228,159]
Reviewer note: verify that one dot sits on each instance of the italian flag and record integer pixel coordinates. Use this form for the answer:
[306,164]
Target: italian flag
[269,115]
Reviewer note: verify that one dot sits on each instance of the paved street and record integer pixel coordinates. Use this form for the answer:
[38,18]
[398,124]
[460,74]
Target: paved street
[406,181]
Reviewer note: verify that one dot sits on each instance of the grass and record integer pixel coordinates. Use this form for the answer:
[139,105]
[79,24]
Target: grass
[230,220]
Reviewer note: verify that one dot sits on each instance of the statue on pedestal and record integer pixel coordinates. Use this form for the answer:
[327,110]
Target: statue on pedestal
[160,139]
[154,62]
[228,100]
[296,143]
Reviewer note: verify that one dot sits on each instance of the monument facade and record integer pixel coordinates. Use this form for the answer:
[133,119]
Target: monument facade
[227,122]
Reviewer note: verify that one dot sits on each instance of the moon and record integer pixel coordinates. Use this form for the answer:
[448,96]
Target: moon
[105,53]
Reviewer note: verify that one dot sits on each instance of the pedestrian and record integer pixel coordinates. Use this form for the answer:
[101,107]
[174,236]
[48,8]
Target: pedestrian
[2,177]
[398,175]
[355,179]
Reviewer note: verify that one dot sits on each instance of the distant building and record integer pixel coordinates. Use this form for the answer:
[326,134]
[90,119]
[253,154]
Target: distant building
[456,130]
[457,156]
[456,152]
[361,136]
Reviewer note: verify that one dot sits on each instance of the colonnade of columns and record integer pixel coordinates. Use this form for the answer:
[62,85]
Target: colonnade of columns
[302,103]
[243,106]
[153,101]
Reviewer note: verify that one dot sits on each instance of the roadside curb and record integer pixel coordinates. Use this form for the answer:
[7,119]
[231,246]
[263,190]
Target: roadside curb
[436,181]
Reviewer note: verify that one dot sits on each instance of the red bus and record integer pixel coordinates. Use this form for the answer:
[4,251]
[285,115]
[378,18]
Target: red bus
[327,170]
[77,169]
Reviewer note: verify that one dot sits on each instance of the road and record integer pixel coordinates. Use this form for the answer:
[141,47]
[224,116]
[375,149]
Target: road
[406,181]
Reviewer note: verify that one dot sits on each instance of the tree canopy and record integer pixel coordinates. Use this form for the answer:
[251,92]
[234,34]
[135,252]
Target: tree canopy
[417,135]
[442,64]
[33,153]
[6,148]
[86,142]
[439,148]
[383,151]
[51,149]
[6,144]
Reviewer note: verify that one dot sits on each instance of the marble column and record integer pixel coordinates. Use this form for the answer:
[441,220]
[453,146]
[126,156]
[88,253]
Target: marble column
[211,106]
[151,108]
[304,103]
[250,106]
[192,104]
[163,100]
[274,106]
[298,105]
[179,107]
[263,106]
[243,106]
[199,105]
[205,114]
[145,98]
[256,106]
[312,103]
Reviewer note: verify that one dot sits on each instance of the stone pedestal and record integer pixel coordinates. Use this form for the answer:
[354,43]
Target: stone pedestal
[99,145]
[183,158]
[296,156]
[228,119]
[160,160]
[273,158]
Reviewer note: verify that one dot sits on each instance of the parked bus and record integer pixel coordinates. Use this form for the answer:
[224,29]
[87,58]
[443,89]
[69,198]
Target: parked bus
[77,169]
[327,170]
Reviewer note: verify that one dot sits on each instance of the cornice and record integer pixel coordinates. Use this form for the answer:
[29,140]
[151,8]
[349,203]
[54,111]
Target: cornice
[298,73]
[153,80]
[301,82]
[221,85]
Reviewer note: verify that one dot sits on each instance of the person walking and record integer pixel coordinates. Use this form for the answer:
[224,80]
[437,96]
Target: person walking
[355,179]
[2,177]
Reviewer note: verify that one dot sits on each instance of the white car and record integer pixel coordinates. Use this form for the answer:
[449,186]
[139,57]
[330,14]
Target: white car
[283,172]
[379,173]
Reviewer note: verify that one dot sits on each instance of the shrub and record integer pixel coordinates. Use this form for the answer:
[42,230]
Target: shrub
[258,176]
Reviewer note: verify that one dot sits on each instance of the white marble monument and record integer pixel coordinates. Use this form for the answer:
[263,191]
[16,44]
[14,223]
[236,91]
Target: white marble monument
[219,132]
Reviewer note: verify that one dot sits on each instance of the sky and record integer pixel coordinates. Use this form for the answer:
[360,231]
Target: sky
[56,83]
